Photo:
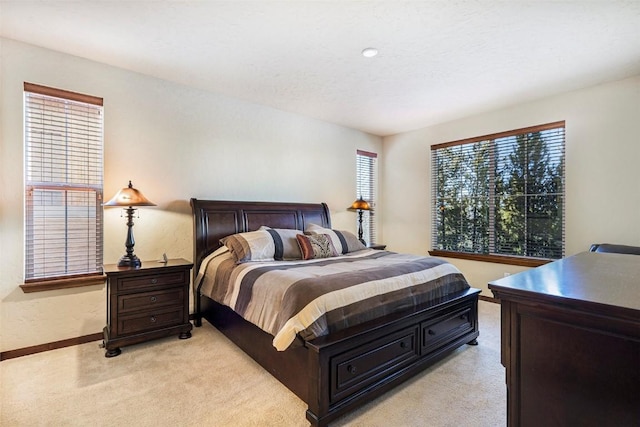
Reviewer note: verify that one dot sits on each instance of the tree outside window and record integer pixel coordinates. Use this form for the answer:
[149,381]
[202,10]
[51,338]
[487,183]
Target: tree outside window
[501,194]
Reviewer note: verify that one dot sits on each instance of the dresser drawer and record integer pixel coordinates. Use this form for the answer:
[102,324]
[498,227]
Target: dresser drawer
[355,369]
[148,320]
[443,329]
[150,300]
[152,280]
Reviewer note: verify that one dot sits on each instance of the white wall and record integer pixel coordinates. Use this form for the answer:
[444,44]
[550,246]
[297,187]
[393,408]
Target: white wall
[174,143]
[602,161]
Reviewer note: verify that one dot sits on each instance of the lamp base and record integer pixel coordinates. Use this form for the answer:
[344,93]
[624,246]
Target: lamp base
[129,261]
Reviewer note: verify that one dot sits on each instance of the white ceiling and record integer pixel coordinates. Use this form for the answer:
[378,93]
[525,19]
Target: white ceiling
[438,60]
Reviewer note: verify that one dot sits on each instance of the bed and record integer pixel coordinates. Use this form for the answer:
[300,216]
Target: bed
[336,372]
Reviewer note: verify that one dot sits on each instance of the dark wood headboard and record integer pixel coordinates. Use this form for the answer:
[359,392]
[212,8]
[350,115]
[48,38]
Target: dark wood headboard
[215,219]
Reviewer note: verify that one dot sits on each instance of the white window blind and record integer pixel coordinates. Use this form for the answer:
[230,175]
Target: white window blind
[63,183]
[501,194]
[366,187]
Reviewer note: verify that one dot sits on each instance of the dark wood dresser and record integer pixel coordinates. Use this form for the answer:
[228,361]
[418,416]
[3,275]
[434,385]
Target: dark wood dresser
[148,302]
[571,342]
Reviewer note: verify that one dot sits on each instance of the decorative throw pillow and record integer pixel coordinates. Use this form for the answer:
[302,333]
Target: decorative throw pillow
[343,241]
[316,246]
[250,246]
[286,244]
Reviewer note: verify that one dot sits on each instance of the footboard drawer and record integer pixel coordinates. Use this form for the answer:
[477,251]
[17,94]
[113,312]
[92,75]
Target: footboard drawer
[357,368]
[439,331]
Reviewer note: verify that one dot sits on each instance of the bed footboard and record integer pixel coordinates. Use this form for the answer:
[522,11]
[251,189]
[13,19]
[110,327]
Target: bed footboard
[338,373]
[347,373]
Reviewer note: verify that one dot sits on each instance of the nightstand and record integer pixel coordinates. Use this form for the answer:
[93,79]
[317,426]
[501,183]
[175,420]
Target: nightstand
[378,246]
[148,302]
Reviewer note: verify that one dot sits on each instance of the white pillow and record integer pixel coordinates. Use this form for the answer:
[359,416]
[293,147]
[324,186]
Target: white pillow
[286,245]
[250,246]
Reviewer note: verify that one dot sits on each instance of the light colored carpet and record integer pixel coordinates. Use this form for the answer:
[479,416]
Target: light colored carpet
[207,381]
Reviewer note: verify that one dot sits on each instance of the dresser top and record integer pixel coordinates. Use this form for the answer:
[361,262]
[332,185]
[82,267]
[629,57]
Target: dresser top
[583,280]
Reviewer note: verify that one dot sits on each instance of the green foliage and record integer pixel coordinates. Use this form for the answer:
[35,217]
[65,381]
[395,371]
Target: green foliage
[502,196]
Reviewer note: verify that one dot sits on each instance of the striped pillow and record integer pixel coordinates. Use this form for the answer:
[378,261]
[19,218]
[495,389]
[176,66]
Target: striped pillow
[316,246]
[286,244]
[343,241]
[250,246]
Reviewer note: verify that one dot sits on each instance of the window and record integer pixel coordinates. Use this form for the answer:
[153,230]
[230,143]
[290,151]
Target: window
[366,184]
[63,185]
[501,195]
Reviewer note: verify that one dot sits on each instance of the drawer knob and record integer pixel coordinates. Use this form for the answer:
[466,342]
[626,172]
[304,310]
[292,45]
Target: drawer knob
[351,369]
[154,281]
[463,317]
[403,344]
[431,332]
[153,319]
[154,299]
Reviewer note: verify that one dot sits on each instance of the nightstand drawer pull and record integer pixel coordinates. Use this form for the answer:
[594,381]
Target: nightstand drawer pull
[154,281]
[153,319]
[154,299]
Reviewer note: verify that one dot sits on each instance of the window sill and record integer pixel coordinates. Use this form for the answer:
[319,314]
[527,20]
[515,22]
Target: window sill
[498,259]
[66,283]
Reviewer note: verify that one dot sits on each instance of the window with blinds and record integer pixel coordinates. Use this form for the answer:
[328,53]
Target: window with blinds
[366,187]
[501,194]
[63,183]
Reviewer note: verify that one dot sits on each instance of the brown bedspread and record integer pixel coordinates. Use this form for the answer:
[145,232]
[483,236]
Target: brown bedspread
[316,297]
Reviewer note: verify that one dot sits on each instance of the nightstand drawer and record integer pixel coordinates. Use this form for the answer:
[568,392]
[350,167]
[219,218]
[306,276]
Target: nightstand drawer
[148,320]
[150,300]
[152,280]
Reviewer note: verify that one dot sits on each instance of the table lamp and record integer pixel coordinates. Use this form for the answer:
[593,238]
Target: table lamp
[360,205]
[129,197]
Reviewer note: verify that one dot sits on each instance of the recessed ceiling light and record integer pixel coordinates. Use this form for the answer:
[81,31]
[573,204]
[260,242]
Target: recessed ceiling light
[369,52]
